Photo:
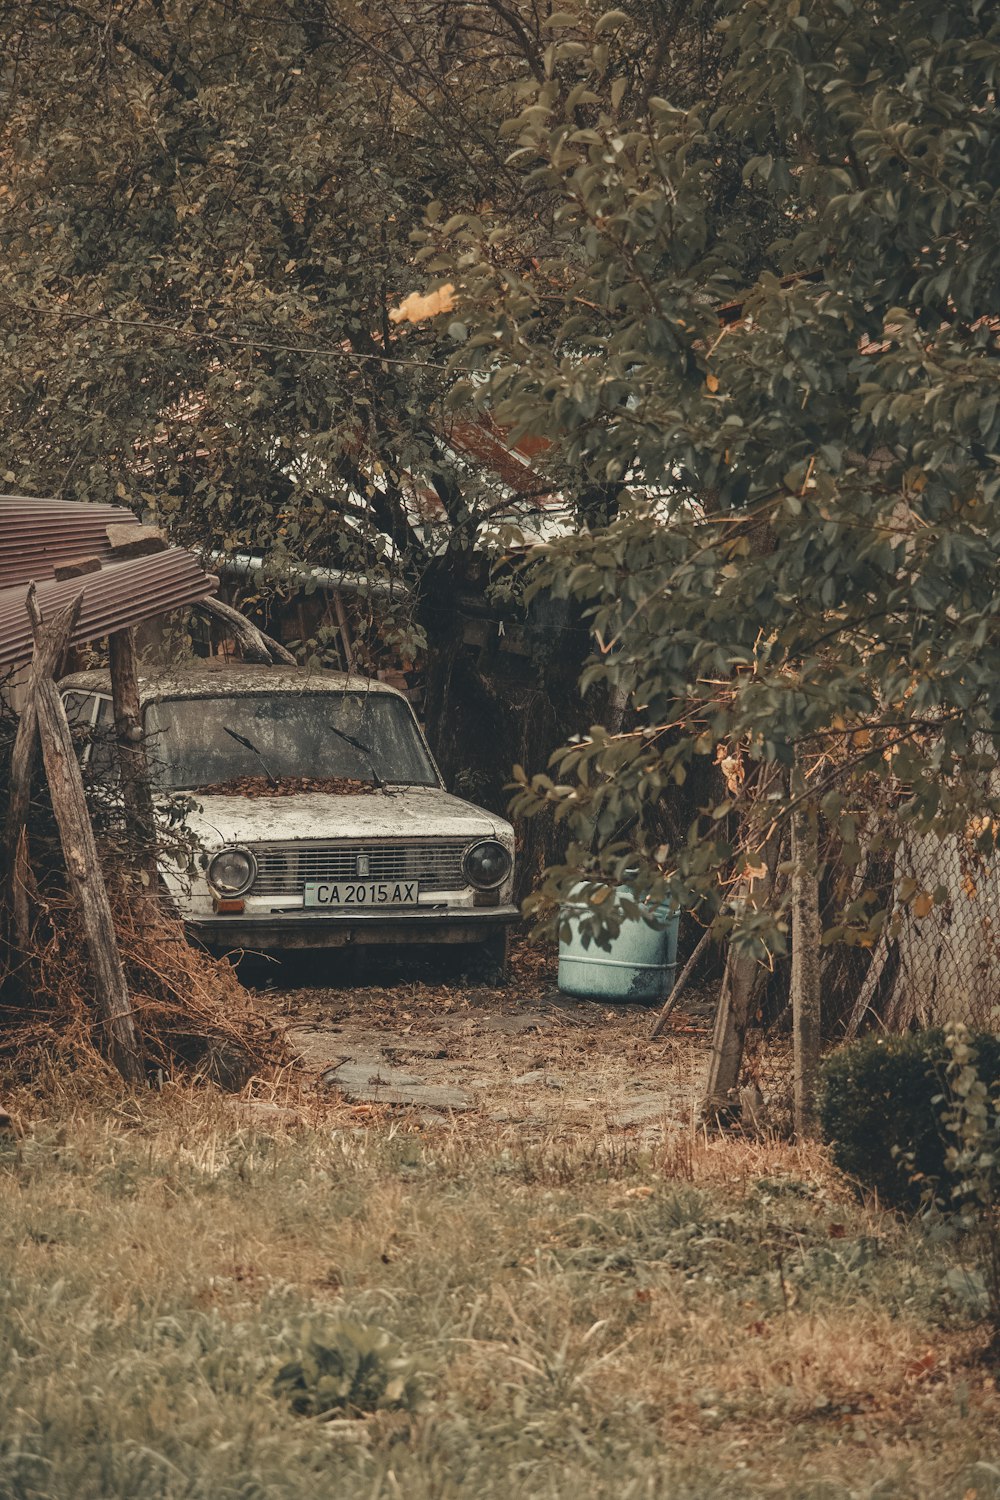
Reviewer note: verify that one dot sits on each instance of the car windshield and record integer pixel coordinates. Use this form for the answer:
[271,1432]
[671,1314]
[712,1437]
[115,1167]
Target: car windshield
[202,742]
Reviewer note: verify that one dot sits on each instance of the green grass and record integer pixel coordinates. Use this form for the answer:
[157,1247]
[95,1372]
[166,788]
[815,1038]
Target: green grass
[585,1318]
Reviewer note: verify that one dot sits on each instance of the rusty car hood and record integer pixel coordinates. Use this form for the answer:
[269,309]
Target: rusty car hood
[396,812]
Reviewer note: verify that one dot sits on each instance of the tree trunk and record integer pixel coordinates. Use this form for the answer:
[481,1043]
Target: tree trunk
[806,939]
[87,882]
[255,645]
[140,820]
[741,985]
[487,709]
[742,982]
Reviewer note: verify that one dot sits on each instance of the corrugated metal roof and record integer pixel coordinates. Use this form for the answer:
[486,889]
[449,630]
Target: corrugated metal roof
[36,535]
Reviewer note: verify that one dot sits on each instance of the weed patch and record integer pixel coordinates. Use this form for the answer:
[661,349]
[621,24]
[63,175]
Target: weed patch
[182,1297]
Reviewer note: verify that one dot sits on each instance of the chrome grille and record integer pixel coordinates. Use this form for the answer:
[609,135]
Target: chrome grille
[285,869]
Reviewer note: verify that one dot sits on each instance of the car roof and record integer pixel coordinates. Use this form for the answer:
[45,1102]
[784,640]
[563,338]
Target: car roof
[205,679]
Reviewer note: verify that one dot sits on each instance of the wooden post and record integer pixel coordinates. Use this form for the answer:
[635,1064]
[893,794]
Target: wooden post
[806,939]
[140,820]
[51,643]
[86,881]
[345,633]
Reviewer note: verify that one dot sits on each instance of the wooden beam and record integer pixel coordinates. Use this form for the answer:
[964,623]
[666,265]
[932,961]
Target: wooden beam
[51,643]
[255,645]
[87,881]
[140,819]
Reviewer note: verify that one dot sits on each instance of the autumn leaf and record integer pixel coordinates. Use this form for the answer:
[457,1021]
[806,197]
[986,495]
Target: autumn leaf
[918,1368]
[416,307]
[712,384]
[922,904]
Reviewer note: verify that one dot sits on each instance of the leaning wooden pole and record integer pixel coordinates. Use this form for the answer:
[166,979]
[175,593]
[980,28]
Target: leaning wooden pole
[806,939]
[680,985]
[44,711]
[87,882]
[51,645]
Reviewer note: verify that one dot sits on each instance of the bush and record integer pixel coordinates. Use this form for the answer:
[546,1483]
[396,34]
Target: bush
[883,1107]
[347,1369]
[973,1119]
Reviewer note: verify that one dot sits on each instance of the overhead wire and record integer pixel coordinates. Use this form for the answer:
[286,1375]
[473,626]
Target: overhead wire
[234,340]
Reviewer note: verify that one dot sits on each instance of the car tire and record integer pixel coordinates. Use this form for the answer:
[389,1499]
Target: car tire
[490,960]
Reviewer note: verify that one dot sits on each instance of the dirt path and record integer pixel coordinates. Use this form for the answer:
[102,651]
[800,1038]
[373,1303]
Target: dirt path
[519,1053]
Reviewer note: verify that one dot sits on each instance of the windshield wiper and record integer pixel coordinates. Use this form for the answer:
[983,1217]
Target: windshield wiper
[364,750]
[241,739]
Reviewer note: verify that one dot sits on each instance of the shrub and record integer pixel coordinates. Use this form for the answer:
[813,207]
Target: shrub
[973,1160]
[345,1369]
[883,1106]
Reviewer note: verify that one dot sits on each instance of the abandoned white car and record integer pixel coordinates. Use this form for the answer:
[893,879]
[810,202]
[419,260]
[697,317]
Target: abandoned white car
[321,817]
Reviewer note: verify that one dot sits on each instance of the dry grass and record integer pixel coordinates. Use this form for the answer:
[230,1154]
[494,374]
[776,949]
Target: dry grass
[193,1016]
[703,1318]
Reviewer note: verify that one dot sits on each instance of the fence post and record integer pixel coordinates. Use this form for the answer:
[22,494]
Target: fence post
[806,938]
[140,819]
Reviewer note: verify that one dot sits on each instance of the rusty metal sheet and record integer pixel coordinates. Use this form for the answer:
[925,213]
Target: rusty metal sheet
[35,535]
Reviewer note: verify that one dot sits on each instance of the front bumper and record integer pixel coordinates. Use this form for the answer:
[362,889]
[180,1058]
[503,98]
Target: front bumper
[277,931]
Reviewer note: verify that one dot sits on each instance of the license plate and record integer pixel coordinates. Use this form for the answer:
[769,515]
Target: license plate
[361,893]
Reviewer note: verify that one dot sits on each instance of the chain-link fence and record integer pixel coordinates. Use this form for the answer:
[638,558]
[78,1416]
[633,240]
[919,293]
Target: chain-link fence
[934,959]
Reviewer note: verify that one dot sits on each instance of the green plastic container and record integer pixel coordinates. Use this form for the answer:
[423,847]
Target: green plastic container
[640,966]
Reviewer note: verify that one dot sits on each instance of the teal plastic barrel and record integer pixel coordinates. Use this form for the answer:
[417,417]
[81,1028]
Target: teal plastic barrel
[640,965]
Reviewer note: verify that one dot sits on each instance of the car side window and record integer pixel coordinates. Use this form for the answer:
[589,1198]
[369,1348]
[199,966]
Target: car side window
[104,750]
[80,708]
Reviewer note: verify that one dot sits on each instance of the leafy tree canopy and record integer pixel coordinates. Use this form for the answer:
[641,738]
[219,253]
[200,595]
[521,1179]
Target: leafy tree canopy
[206,217]
[803,566]
[207,212]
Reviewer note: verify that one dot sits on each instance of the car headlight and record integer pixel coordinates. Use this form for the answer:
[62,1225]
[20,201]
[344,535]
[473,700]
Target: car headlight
[232,872]
[486,864]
